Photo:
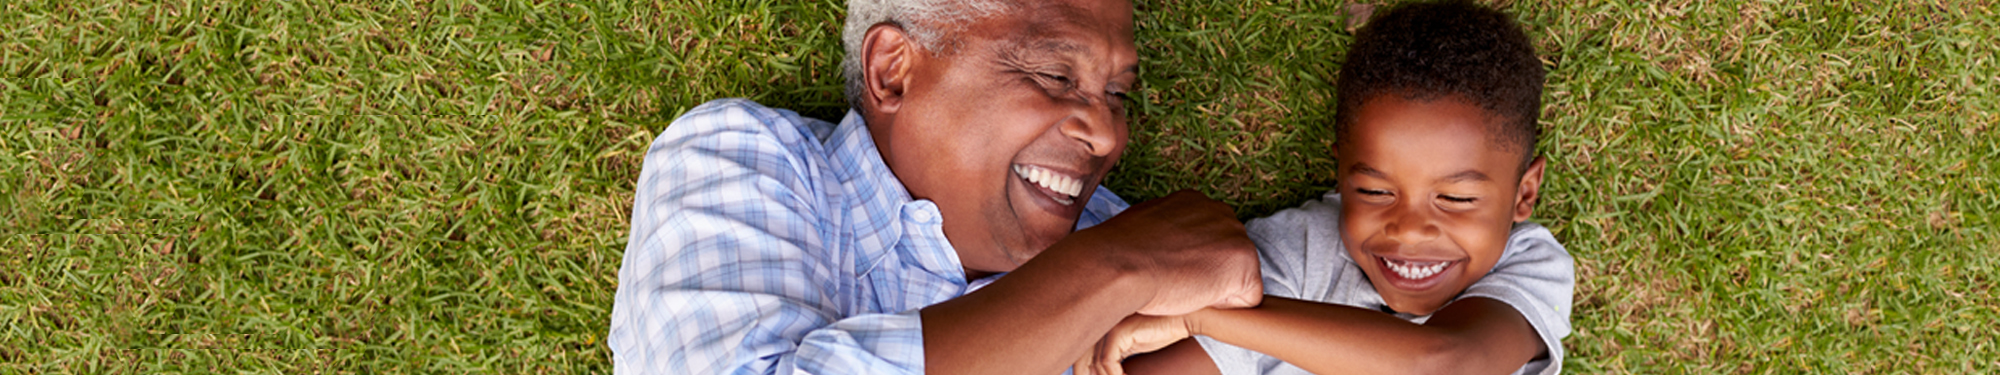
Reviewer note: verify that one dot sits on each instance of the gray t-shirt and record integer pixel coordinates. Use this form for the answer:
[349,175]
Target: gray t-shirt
[1303,258]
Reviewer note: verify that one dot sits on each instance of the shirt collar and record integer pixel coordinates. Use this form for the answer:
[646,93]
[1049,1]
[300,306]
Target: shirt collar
[916,226]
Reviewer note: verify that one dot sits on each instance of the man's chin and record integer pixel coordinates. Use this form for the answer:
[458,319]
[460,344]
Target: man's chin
[1038,242]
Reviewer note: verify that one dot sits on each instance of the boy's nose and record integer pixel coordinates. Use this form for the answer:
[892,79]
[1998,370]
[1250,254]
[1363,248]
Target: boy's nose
[1412,223]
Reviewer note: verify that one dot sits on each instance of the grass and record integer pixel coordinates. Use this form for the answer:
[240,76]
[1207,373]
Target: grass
[443,186]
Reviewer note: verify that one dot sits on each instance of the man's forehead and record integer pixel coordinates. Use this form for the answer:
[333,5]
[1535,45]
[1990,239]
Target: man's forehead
[1109,15]
[1063,30]
[1061,19]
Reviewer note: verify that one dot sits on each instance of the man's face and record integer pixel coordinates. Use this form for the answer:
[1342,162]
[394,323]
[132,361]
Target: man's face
[1428,197]
[1011,129]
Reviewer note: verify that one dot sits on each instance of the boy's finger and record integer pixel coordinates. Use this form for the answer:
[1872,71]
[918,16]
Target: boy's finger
[1106,365]
[1113,368]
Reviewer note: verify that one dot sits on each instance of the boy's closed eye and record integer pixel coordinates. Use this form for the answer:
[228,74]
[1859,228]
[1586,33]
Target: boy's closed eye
[1457,203]
[1373,192]
[1447,201]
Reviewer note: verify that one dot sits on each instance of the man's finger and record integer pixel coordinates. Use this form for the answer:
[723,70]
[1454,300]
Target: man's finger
[1248,298]
[1087,364]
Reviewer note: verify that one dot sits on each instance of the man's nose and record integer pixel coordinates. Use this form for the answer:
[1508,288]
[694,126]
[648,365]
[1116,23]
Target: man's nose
[1412,222]
[1096,126]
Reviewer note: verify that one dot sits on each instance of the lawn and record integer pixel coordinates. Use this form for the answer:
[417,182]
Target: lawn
[388,186]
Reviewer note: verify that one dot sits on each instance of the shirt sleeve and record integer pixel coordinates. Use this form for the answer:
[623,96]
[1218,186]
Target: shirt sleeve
[728,268]
[1538,278]
[1102,206]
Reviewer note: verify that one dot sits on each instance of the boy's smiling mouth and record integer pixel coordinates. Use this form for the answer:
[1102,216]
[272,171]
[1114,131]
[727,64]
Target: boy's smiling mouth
[1415,270]
[1414,275]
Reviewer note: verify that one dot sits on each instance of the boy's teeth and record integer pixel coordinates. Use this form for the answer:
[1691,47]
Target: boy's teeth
[1065,185]
[1415,271]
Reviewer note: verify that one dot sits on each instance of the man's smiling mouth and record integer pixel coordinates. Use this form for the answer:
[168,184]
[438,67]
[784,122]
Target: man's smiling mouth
[1060,187]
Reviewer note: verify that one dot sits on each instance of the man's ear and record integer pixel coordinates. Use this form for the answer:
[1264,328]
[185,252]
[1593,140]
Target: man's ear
[1529,191]
[886,58]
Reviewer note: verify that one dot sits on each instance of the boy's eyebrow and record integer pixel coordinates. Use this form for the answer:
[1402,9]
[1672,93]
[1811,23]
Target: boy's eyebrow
[1359,168]
[1467,175]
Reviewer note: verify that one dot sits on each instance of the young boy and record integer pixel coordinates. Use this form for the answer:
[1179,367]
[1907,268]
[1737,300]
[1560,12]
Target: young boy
[1421,261]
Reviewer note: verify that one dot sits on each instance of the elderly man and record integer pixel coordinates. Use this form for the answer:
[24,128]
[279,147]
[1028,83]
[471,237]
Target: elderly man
[763,242]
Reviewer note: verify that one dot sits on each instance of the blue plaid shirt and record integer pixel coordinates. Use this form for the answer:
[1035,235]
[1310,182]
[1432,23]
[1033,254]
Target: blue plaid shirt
[763,242]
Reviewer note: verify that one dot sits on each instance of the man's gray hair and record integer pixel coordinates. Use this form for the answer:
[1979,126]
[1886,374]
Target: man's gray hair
[930,24]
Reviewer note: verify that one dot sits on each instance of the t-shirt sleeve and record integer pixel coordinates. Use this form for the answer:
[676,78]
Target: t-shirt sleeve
[1538,278]
[1282,240]
[727,263]
[1291,268]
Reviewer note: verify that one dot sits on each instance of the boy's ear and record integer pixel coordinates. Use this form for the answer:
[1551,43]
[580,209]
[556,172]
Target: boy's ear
[886,58]
[1529,191]
[1334,150]
[1339,179]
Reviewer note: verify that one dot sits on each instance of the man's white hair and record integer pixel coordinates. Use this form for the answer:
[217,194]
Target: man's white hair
[930,24]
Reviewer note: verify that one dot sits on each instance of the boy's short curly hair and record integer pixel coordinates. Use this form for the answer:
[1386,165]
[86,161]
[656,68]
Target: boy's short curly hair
[1431,50]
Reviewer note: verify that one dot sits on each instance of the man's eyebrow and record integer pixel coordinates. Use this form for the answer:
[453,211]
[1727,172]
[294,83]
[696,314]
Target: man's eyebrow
[1059,46]
[1032,50]
[1046,46]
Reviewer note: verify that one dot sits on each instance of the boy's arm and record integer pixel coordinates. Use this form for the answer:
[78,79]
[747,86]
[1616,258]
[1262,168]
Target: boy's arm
[1472,335]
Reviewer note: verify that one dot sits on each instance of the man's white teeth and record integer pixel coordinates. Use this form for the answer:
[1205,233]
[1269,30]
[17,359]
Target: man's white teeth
[1415,270]
[1060,183]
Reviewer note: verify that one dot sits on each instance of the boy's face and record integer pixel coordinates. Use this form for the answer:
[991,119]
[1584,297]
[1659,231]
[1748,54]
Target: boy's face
[1428,197]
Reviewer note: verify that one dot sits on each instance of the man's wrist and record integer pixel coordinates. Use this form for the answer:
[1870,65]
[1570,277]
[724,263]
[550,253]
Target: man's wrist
[1128,278]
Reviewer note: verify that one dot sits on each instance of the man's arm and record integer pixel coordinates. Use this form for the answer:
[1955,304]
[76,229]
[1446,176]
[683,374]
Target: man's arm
[727,271]
[1472,335]
[1167,256]
[710,285]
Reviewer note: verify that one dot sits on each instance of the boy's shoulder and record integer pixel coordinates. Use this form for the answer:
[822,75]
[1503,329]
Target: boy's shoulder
[1313,215]
[1531,242]
[1300,252]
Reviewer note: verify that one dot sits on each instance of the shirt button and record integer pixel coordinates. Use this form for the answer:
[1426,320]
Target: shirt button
[921,211]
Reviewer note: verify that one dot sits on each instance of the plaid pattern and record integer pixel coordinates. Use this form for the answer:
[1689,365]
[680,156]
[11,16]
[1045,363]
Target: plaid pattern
[767,243]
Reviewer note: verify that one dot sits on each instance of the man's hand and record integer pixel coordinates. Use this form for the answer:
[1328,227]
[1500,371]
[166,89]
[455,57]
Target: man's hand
[1188,249]
[1135,335]
[1168,256]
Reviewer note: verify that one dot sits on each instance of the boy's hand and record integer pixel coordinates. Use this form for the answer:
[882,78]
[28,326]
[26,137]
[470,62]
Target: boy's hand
[1137,334]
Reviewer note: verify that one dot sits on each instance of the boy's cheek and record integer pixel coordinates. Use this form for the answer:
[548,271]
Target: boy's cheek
[1484,242]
